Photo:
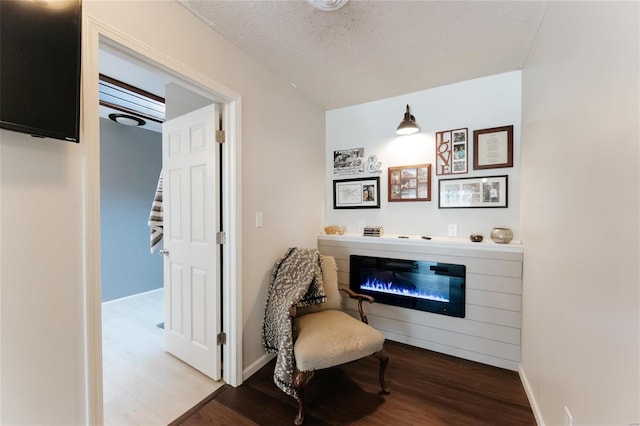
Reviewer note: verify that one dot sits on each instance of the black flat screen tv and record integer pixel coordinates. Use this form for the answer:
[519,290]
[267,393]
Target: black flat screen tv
[40,45]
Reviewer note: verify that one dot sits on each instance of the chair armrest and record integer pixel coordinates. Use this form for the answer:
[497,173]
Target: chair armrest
[353,295]
[360,298]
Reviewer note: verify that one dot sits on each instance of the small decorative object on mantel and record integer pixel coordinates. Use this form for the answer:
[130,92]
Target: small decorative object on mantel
[502,235]
[493,148]
[373,231]
[330,230]
[334,229]
[476,238]
[451,151]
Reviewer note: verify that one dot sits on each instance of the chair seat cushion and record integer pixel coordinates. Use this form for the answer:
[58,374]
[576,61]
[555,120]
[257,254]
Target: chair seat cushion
[329,338]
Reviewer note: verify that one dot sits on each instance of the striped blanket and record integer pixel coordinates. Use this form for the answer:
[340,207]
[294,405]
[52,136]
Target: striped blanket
[155,218]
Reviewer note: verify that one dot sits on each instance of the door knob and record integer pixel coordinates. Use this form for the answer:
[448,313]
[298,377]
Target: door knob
[165,252]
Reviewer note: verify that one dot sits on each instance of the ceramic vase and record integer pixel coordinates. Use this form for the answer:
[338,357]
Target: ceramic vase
[501,235]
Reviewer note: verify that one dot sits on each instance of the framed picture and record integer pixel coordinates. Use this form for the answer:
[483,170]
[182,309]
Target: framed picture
[451,151]
[410,183]
[486,191]
[361,193]
[348,161]
[493,148]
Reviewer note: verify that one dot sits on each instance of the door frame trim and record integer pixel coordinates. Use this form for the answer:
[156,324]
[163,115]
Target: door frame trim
[95,32]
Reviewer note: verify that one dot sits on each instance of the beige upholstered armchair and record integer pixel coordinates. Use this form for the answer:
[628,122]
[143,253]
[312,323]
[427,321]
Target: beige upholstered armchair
[325,336]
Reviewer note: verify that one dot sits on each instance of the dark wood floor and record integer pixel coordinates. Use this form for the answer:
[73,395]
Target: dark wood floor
[427,388]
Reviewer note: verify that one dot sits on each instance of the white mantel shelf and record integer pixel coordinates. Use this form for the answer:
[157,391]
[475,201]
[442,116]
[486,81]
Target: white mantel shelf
[489,332]
[437,243]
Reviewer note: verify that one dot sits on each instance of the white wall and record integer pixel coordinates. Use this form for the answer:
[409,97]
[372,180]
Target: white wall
[580,214]
[476,104]
[42,291]
[42,258]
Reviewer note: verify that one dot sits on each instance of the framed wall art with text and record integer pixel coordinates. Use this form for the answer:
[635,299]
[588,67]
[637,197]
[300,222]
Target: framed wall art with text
[493,148]
[451,151]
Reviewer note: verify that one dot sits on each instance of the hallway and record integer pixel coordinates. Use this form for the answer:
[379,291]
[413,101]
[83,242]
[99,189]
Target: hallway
[143,384]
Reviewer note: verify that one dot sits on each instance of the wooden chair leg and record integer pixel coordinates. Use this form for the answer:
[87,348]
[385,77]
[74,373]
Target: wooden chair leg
[299,382]
[384,360]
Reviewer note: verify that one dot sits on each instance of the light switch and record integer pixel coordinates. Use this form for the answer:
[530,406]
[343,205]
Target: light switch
[259,220]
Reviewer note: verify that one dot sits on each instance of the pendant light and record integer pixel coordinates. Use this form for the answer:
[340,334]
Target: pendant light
[408,125]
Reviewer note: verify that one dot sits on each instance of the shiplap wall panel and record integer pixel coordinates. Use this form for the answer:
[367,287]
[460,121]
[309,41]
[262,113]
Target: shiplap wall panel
[498,267]
[450,350]
[490,331]
[495,283]
[494,316]
[454,339]
[501,333]
[493,299]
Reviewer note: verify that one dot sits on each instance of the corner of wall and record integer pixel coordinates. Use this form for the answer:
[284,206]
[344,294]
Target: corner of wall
[537,413]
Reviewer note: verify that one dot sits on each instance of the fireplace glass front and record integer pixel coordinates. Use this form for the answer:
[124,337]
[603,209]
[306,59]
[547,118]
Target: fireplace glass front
[426,286]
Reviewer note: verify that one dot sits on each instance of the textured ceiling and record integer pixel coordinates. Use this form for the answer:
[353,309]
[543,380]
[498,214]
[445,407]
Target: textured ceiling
[370,50]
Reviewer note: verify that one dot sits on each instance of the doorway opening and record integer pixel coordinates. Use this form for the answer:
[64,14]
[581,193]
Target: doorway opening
[229,159]
[142,382]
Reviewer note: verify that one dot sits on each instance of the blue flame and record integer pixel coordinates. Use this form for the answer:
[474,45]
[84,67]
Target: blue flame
[389,287]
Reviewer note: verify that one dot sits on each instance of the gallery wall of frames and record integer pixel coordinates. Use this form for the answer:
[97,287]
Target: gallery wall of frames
[461,168]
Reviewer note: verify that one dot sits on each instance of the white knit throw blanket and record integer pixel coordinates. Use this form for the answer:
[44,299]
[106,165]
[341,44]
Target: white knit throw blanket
[296,280]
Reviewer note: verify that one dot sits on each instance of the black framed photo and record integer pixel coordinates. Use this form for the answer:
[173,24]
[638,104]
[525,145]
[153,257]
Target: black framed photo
[485,191]
[360,193]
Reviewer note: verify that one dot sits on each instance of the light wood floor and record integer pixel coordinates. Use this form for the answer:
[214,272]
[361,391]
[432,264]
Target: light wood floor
[143,384]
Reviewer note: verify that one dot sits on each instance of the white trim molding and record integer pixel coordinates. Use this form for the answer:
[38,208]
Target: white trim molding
[257,365]
[89,139]
[532,399]
[232,221]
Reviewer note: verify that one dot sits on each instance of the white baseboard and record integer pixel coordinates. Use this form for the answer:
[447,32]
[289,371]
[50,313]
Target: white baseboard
[532,399]
[155,290]
[257,365]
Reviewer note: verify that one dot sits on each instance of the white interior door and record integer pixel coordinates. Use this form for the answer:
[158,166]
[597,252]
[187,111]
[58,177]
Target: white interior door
[192,259]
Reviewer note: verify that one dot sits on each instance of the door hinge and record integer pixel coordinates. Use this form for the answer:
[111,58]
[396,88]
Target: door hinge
[221,237]
[221,338]
[220,138]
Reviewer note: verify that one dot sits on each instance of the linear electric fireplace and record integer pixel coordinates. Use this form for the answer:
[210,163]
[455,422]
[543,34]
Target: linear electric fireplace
[426,286]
